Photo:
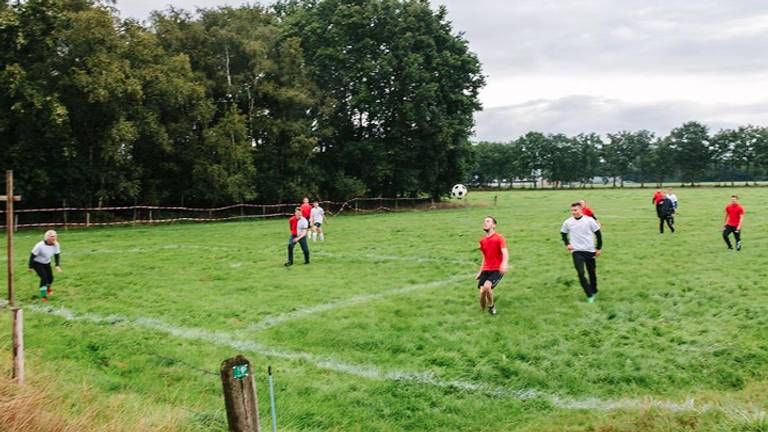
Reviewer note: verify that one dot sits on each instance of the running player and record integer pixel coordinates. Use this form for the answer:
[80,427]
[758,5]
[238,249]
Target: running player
[589,212]
[658,196]
[579,233]
[299,228]
[666,214]
[672,197]
[494,266]
[316,219]
[40,262]
[734,217]
[306,208]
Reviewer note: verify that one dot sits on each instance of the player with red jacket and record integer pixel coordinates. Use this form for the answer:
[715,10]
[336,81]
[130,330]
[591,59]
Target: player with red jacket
[734,217]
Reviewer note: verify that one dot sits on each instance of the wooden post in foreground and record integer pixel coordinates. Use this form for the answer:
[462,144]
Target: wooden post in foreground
[18,344]
[18,316]
[239,395]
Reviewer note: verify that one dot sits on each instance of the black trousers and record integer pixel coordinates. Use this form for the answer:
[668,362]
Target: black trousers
[670,220]
[583,259]
[304,248]
[44,272]
[727,232]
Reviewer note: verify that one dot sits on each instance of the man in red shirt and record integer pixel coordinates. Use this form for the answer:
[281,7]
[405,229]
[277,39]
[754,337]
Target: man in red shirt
[299,227]
[495,263]
[734,216]
[306,208]
[658,197]
[586,211]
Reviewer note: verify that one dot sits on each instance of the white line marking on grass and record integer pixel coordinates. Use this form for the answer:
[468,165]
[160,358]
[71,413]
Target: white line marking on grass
[371,372]
[369,256]
[301,313]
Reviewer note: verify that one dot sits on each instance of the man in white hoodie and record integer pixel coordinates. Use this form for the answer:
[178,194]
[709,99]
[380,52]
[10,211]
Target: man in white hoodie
[40,262]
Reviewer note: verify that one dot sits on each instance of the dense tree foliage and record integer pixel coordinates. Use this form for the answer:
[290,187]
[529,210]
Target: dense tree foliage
[689,154]
[332,97]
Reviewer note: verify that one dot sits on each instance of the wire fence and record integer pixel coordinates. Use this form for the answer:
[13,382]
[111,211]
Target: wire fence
[86,217]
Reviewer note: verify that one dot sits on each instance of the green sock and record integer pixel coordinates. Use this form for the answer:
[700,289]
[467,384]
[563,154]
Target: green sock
[43,291]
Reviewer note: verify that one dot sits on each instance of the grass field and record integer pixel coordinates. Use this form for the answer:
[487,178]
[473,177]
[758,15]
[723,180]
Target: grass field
[382,332]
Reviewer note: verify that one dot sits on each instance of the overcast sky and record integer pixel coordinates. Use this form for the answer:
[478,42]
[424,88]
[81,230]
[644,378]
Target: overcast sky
[577,66]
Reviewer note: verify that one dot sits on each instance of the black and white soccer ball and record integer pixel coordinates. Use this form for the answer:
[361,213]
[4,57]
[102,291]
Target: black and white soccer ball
[459,191]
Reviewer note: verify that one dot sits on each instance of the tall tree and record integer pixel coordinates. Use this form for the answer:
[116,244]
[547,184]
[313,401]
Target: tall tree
[690,146]
[397,81]
[617,153]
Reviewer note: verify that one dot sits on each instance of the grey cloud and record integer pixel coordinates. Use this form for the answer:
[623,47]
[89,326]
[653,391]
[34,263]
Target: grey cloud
[675,36]
[581,113]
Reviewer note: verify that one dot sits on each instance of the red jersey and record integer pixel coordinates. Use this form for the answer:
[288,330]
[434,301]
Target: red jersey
[491,247]
[306,210]
[588,212]
[735,212]
[292,223]
[658,197]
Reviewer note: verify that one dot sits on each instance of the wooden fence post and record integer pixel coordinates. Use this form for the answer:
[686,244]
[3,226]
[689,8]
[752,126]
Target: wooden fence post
[150,216]
[18,345]
[239,395]
[87,219]
[65,214]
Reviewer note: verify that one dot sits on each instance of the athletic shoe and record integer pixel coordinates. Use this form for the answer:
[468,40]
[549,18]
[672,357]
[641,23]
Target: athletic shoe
[44,299]
[738,246]
[492,310]
[591,300]
[288,264]
[49,291]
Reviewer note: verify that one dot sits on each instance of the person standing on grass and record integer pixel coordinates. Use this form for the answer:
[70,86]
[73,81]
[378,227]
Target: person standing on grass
[299,228]
[672,197]
[316,218]
[578,234]
[588,211]
[495,264]
[40,262]
[306,208]
[734,217]
[666,215]
[656,200]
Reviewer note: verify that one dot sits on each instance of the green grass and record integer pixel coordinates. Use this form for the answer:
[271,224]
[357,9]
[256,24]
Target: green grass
[678,317]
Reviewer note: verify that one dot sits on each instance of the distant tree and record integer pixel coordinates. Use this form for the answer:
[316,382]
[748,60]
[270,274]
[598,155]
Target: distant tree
[399,89]
[532,145]
[617,153]
[642,156]
[690,147]
[761,150]
[722,149]
[745,150]
[587,164]
[662,161]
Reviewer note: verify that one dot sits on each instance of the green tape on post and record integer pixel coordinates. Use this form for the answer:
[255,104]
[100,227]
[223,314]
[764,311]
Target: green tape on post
[240,371]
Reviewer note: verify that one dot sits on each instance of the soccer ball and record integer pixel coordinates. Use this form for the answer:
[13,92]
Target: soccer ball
[459,191]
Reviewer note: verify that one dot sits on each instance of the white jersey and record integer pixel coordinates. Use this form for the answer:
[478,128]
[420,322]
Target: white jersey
[302,226]
[581,233]
[43,252]
[672,197]
[317,215]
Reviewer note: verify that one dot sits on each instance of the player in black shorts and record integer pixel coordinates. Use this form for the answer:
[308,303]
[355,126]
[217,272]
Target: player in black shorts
[494,266]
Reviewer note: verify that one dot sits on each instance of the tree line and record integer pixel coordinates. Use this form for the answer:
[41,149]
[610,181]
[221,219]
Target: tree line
[336,98]
[689,154]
